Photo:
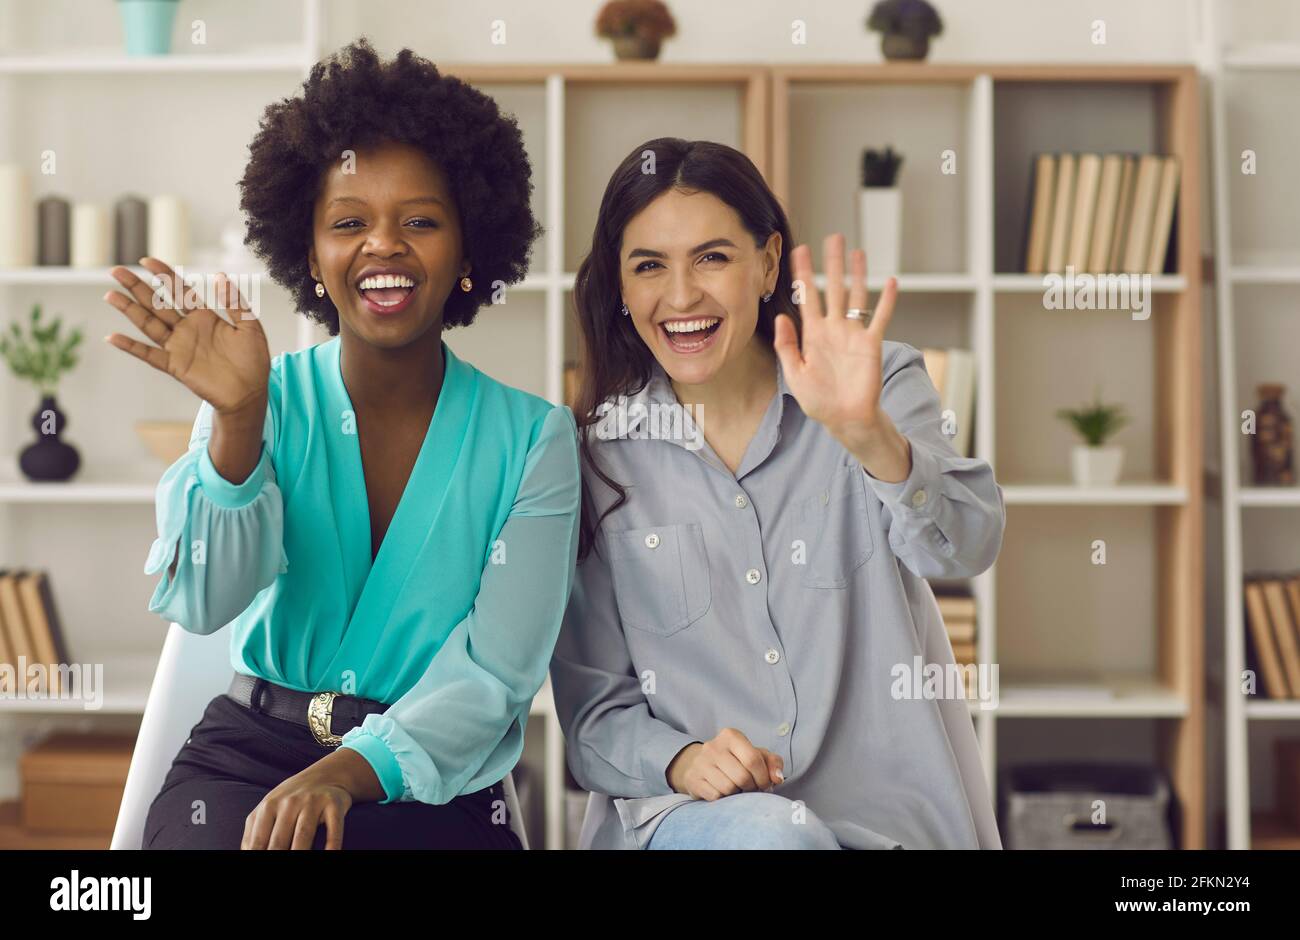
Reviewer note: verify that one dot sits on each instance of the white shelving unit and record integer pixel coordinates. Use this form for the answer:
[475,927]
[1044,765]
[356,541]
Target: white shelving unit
[1033,283]
[92,63]
[1122,494]
[1239,72]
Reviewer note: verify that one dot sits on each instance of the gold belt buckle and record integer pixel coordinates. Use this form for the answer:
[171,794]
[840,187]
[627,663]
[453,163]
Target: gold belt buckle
[319,712]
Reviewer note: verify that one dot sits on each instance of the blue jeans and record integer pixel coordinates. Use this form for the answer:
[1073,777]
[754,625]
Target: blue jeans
[749,820]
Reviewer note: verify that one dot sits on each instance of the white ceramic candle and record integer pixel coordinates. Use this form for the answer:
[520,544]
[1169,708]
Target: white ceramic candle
[169,230]
[880,228]
[17,235]
[90,236]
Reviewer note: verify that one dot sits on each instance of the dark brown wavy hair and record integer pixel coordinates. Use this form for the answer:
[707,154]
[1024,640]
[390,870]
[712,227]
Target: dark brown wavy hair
[614,359]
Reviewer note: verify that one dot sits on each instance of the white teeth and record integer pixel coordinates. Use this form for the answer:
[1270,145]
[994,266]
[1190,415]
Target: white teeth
[690,326]
[377,281]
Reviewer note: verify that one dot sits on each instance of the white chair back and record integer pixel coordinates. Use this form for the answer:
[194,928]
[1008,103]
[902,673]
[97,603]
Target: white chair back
[193,670]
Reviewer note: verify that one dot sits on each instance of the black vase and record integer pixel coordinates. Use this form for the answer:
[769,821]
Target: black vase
[49,459]
[902,47]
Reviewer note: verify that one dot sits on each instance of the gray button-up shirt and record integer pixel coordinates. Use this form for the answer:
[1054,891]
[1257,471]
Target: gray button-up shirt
[785,600]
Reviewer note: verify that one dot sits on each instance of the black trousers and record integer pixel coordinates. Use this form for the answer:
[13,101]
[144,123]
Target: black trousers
[235,756]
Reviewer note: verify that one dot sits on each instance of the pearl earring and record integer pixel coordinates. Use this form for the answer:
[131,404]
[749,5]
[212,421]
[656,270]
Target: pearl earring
[466,284]
[320,289]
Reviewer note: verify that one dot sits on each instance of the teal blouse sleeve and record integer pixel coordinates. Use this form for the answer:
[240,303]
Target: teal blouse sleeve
[460,728]
[229,536]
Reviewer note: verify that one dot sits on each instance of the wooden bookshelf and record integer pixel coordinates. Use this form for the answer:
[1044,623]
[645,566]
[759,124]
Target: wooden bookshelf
[1043,609]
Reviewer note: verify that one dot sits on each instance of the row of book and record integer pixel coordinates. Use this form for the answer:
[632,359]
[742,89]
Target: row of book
[29,627]
[1101,213]
[958,611]
[953,373]
[1273,632]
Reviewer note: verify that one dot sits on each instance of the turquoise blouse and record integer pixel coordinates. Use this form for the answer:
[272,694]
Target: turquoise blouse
[452,625]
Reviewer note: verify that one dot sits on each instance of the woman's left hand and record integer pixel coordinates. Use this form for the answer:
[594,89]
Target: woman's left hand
[836,377]
[288,816]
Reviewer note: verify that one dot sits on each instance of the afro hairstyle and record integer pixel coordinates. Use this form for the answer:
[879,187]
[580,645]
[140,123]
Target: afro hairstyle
[352,100]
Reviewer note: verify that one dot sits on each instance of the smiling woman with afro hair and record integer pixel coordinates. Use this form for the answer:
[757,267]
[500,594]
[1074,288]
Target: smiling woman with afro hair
[355,100]
[347,508]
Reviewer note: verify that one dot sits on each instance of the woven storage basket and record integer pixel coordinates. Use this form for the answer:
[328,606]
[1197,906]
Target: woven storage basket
[1051,806]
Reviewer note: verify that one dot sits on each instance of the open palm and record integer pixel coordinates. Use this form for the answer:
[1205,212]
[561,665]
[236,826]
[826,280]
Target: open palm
[836,375]
[225,363]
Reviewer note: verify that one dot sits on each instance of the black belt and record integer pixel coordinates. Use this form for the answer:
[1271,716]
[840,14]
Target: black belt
[328,715]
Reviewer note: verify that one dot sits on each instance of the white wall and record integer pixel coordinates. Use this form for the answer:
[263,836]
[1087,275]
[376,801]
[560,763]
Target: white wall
[761,30]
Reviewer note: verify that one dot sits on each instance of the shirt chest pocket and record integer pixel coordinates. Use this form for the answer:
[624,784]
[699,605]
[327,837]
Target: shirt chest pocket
[661,576]
[837,527]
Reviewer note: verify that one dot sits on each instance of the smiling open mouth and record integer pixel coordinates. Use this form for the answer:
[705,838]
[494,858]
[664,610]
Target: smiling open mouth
[690,335]
[386,293]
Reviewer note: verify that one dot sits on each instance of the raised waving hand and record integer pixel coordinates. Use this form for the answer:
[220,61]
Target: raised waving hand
[836,376]
[224,362]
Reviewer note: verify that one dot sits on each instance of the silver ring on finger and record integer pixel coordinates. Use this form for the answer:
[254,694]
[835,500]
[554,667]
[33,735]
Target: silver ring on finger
[857,313]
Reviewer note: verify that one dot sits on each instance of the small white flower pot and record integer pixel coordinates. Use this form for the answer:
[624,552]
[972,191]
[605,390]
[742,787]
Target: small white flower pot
[1097,466]
[880,227]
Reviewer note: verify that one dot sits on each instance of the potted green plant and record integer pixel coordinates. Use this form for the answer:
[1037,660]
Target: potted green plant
[1093,463]
[41,356]
[905,27]
[880,210]
[147,25]
[636,27]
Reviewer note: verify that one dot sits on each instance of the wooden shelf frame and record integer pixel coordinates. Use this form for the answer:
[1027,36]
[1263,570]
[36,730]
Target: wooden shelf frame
[1175,693]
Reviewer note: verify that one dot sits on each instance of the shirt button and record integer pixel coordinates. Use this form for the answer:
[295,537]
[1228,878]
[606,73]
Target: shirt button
[772,656]
[652,540]
[918,498]
[783,729]
[741,502]
[753,576]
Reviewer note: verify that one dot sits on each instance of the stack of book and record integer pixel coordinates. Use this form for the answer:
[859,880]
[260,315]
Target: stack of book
[1101,213]
[958,612]
[953,373]
[29,628]
[1273,633]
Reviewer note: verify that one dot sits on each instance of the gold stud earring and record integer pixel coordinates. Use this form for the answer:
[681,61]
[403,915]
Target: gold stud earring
[466,284]
[320,289]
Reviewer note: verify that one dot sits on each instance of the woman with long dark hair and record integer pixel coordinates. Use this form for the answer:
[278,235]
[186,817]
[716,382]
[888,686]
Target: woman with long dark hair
[767,486]
[389,532]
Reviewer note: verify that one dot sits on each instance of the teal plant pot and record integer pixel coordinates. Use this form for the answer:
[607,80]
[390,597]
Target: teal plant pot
[147,25]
